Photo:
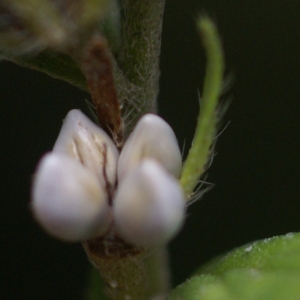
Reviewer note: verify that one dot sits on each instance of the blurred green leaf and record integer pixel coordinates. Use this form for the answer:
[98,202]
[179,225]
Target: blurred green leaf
[57,65]
[263,270]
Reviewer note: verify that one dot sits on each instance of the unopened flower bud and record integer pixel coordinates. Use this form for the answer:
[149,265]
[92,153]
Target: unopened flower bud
[67,199]
[151,138]
[81,139]
[149,206]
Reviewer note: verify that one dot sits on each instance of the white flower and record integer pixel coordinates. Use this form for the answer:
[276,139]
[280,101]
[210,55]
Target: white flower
[148,206]
[76,194]
[83,140]
[68,200]
[151,138]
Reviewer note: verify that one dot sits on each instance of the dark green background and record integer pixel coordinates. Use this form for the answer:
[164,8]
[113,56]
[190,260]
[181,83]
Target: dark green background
[255,172]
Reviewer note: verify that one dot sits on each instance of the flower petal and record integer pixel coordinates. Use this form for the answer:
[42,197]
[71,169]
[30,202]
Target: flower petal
[82,139]
[151,138]
[67,199]
[149,206]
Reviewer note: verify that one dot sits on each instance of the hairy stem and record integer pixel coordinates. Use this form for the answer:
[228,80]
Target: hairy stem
[196,161]
[129,272]
[139,55]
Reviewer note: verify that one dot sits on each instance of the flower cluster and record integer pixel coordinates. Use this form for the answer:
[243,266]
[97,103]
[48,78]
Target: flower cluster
[84,188]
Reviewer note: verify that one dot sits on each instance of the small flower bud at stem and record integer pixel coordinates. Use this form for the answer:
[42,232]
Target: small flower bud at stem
[80,138]
[149,206]
[67,199]
[151,138]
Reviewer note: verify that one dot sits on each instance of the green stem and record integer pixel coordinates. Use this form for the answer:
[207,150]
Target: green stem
[139,55]
[159,273]
[199,153]
[129,272]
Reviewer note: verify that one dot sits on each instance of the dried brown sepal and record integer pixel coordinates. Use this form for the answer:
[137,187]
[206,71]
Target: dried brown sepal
[98,69]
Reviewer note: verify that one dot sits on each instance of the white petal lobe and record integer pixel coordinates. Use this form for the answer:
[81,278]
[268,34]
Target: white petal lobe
[151,138]
[80,138]
[67,199]
[149,206]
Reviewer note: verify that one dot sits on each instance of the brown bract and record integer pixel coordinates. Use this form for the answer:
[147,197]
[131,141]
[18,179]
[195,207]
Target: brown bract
[98,69]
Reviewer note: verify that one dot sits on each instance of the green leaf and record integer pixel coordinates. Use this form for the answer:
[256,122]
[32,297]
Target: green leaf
[57,65]
[266,269]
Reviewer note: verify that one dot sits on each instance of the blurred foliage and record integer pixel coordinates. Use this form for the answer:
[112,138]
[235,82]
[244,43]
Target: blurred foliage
[263,270]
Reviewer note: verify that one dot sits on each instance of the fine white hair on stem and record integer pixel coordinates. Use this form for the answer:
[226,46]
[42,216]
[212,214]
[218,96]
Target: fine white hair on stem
[83,140]
[222,130]
[151,138]
[127,120]
[203,188]
[149,206]
[67,199]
